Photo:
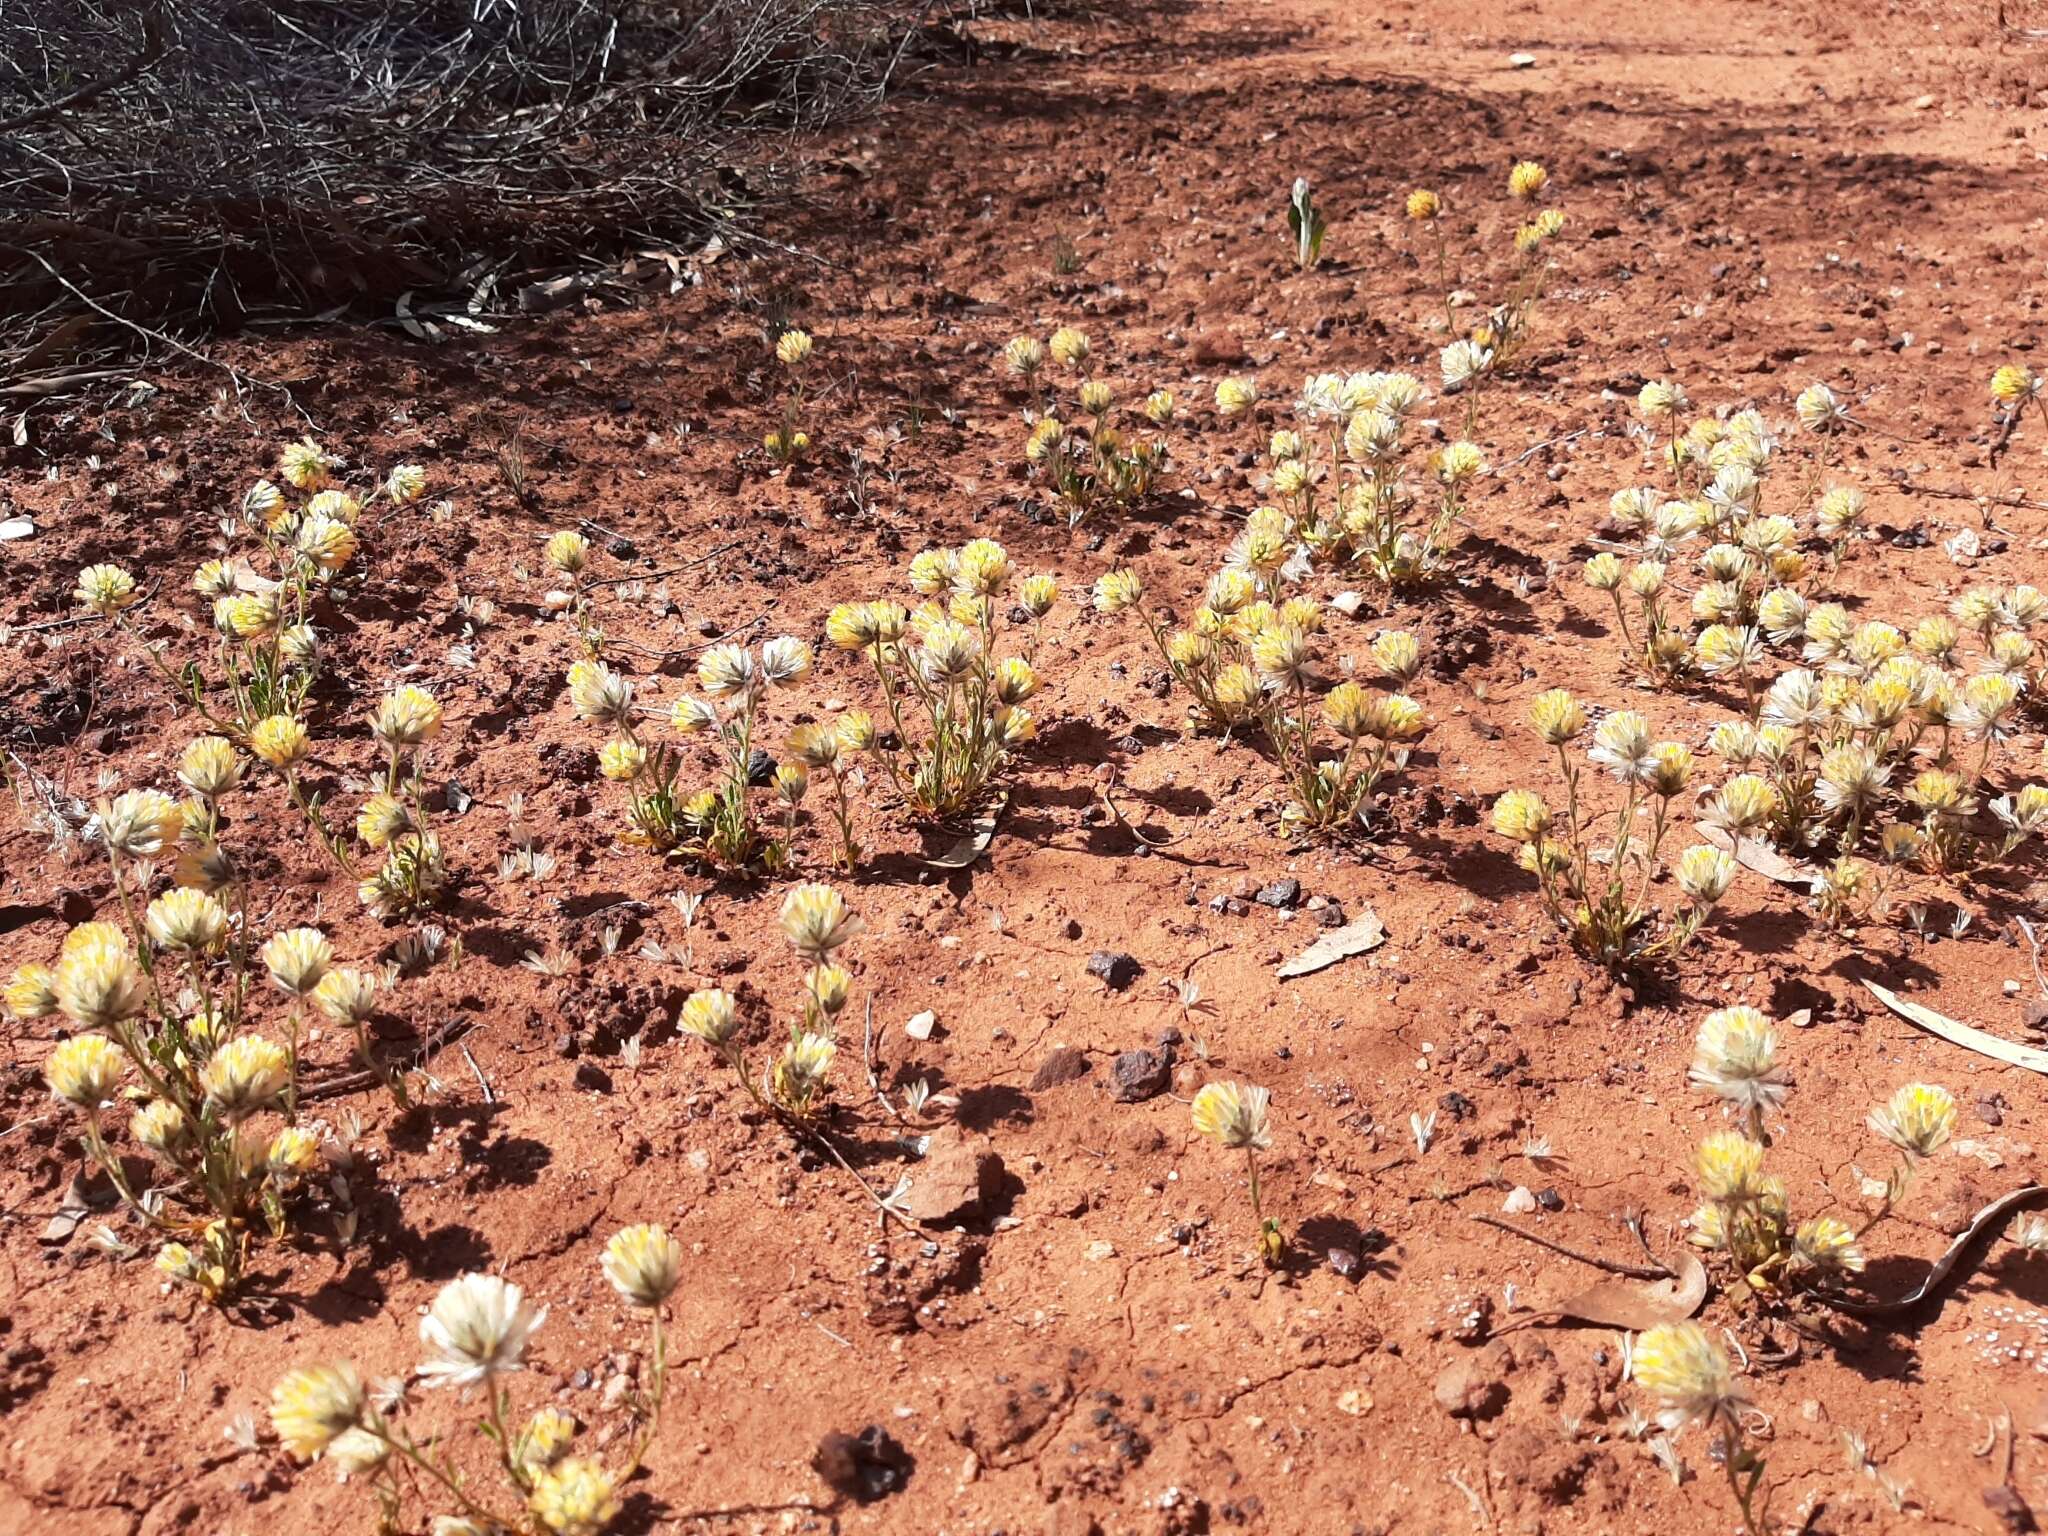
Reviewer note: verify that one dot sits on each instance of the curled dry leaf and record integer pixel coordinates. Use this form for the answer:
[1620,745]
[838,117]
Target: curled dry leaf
[1639,1304]
[975,844]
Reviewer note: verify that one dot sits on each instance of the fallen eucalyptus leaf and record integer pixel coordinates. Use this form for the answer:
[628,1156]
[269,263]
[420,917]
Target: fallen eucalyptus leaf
[1362,933]
[975,844]
[1639,1304]
[1759,857]
[1967,1036]
[1992,1215]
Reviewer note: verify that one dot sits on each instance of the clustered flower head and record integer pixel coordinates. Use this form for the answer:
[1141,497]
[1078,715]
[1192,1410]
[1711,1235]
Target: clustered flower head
[1233,1114]
[478,1328]
[1687,1373]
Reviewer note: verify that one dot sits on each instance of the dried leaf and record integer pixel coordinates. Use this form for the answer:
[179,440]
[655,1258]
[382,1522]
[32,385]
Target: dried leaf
[1992,1215]
[71,1210]
[1967,1036]
[1362,933]
[975,844]
[16,528]
[1759,857]
[1640,1304]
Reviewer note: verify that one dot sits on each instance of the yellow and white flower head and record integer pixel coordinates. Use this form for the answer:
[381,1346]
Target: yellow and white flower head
[187,920]
[1990,702]
[209,767]
[247,1074]
[1233,1114]
[140,823]
[105,589]
[2013,384]
[1662,397]
[1348,708]
[622,760]
[948,654]
[1686,1372]
[815,746]
[1236,395]
[983,566]
[1736,1058]
[98,984]
[1462,361]
[1558,717]
[545,1440]
[1603,572]
[346,996]
[1068,346]
[336,505]
[1828,1243]
[644,1264]
[1622,745]
[1158,407]
[246,615]
[1038,594]
[406,718]
[1705,873]
[728,672]
[314,1405]
[280,740]
[1024,356]
[2022,607]
[162,1127]
[85,1070]
[1397,655]
[1730,1166]
[382,818]
[293,1152]
[1977,608]
[576,1497]
[1521,816]
[1917,1119]
[405,484]
[1015,681]
[216,579]
[264,504]
[1819,409]
[1743,805]
[711,1015]
[300,645]
[856,730]
[1526,180]
[785,662]
[793,348]
[326,542]
[32,993]
[296,958]
[305,465]
[817,921]
[1095,398]
[596,692]
[567,551]
[478,1329]
[798,1079]
[1117,590]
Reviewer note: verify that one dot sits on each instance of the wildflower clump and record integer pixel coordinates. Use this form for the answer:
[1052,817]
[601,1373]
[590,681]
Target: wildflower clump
[1595,866]
[1347,489]
[1492,346]
[818,924]
[168,1009]
[297,544]
[478,1330]
[1249,663]
[953,701]
[715,824]
[1111,452]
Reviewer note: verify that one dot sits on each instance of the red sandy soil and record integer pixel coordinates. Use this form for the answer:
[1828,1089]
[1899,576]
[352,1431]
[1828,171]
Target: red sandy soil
[1760,195]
